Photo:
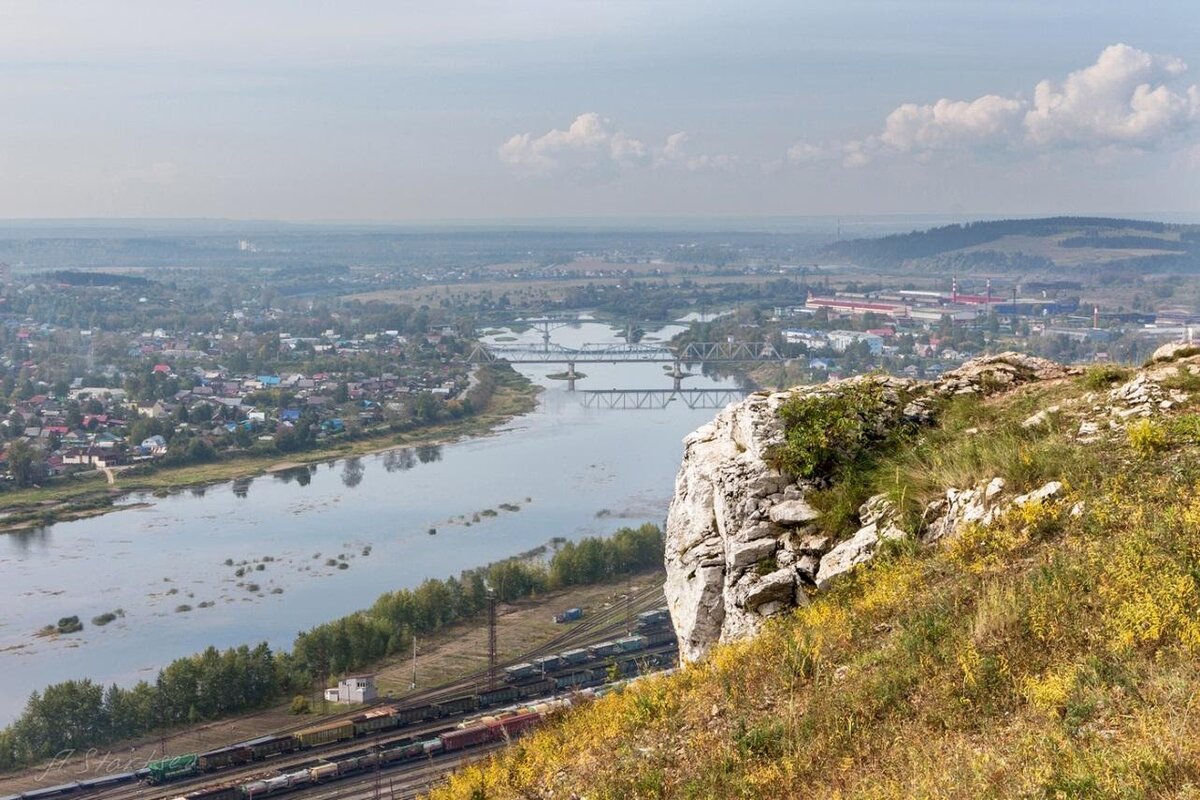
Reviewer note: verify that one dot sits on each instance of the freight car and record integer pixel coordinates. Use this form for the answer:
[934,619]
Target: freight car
[568,670]
[326,734]
[169,769]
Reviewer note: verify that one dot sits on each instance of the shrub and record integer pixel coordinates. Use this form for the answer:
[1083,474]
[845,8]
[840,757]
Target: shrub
[300,705]
[825,432]
[1103,376]
[1146,437]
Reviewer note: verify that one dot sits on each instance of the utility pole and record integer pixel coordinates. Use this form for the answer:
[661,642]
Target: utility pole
[414,677]
[491,639]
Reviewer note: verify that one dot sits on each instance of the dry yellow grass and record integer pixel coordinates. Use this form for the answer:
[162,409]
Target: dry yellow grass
[1051,655]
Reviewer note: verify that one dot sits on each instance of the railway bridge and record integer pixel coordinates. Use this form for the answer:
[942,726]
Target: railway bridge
[624,353]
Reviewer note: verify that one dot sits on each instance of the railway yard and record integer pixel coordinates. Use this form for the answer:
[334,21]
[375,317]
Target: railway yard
[399,748]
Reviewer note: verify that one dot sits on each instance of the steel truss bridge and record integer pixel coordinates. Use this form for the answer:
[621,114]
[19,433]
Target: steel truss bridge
[693,352]
[649,399]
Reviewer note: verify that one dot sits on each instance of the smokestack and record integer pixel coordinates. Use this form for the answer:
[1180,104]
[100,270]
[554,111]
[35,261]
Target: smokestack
[1095,317]
[954,289]
[989,294]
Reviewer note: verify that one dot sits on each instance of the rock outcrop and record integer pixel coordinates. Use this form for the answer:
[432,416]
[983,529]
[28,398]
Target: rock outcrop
[742,539]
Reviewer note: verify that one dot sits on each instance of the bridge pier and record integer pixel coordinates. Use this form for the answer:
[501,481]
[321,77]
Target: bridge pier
[677,375]
[571,376]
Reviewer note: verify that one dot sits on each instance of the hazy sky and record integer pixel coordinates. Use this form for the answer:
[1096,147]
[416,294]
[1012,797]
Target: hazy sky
[392,110]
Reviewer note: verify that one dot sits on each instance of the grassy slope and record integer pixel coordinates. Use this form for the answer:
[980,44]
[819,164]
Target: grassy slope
[1050,655]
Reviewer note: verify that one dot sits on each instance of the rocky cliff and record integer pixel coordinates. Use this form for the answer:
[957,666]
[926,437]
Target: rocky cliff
[743,541]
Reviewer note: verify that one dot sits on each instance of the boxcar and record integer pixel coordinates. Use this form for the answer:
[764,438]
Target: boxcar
[514,726]
[467,737]
[324,734]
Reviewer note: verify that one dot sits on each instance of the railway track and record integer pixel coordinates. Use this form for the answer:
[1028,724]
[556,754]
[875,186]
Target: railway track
[598,626]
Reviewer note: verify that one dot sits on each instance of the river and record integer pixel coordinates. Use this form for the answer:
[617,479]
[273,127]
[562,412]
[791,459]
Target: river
[572,471]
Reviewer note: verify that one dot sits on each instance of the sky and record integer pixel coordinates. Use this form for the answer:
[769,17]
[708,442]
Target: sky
[387,110]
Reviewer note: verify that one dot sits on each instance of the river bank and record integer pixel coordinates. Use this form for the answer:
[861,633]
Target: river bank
[92,494]
[456,651]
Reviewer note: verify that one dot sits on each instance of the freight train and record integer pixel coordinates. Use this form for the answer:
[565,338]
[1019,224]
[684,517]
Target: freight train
[570,670]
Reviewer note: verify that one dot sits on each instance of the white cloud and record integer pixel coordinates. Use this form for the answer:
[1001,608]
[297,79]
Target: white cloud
[675,153]
[951,123]
[1124,101]
[592,142]
[1113,102]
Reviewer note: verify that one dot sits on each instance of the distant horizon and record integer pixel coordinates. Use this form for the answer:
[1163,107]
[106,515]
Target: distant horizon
[591,221]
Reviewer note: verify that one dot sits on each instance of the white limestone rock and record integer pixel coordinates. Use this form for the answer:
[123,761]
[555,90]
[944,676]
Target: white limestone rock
[733,516]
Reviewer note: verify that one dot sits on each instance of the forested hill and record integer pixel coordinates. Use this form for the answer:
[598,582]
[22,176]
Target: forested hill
[1032,244]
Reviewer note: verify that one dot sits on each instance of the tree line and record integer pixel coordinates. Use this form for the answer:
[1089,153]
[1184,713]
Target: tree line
[213,684]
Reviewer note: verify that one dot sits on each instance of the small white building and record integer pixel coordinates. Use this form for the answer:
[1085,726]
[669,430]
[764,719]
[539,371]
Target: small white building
[353,689]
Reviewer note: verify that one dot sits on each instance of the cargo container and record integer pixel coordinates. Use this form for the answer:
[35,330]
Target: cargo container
[576,656]
[631,644]
[324,734]
[570,615]
[654,618]
[603,650]
[519,671]
[548,663]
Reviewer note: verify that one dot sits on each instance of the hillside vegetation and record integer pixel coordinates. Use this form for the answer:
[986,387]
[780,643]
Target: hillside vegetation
[1032,244]
[1050,651]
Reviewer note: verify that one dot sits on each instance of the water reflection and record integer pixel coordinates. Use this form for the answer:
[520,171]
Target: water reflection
[26,538]
[399,460]
[199,491]
[302,475]
[428,453]
[241,487]
[352,472]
